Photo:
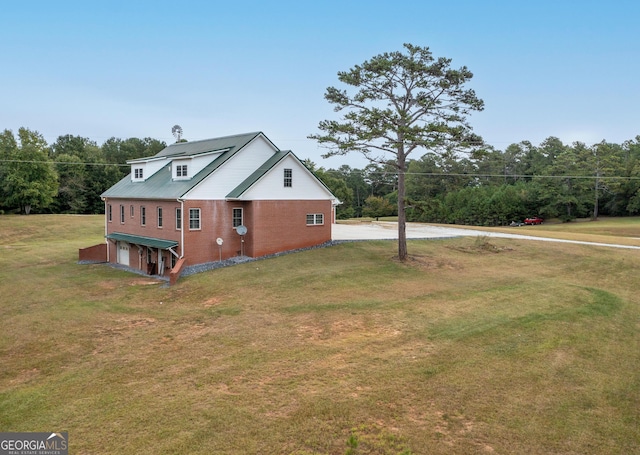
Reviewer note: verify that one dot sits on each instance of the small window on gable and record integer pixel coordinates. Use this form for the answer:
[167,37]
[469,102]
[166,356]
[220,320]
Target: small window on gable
[288,178]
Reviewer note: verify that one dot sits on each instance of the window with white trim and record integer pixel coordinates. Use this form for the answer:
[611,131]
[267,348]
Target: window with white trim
[159,217]
[122,214]
[315,219]
[137,172]
[131,211]
[237,217]
[143,215]
[288,178]
[178,219]
[181,170]
[194,219]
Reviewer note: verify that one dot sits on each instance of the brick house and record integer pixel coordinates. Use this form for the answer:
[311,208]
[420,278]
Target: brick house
[203,201]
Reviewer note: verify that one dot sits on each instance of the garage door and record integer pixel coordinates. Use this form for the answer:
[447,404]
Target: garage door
[123,253]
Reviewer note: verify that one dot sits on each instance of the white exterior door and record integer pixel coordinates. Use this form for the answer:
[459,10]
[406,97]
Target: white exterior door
[123,253]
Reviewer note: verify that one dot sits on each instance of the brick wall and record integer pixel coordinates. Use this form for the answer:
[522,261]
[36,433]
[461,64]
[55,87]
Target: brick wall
[215,222]
[273,226]
[133,225]
[95,253]
[282,225]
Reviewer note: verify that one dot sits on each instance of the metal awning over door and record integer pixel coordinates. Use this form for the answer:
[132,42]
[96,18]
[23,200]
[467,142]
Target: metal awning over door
[150,242]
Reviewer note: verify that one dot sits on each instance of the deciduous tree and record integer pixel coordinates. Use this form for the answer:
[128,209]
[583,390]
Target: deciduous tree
[30,180]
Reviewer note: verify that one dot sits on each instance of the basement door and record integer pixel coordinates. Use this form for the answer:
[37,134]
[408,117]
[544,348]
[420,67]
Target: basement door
[123,253]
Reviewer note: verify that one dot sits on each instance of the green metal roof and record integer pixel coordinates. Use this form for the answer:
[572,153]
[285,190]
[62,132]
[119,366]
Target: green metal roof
[145,241]
[161,186]
[207,145]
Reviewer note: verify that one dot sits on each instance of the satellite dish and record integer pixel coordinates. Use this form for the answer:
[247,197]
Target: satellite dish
[241,230]
[219,241]
[177,132]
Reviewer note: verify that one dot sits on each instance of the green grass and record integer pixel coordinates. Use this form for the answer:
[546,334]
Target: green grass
[526,347]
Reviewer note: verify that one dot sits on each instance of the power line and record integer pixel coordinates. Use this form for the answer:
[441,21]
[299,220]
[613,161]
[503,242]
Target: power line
[504,176]
[64,162]
[520,176]
[427,174]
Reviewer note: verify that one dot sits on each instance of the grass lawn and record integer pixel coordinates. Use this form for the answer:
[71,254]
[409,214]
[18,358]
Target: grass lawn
[507,347]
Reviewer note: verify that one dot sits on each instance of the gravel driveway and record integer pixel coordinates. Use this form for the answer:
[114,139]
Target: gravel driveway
[386,230]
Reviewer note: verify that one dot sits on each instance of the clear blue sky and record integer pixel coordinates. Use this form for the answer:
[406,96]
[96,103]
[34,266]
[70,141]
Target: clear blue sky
[565,68]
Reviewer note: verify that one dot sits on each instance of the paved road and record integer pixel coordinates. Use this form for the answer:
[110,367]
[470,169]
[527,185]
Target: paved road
[385,230]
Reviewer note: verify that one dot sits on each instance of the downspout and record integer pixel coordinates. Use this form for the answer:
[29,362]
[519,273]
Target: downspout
[181,201]
[106,240]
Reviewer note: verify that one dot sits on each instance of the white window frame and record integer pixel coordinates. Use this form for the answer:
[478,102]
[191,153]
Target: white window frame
[138,173]
[159,216]
[195,219]
[288,178]
[178,219]
[143,215]
[181,171]
[237,220]
[315,219]
[121,214]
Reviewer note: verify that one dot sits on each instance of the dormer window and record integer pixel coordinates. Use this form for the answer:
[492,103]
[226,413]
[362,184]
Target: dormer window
[181,170]
[143,168]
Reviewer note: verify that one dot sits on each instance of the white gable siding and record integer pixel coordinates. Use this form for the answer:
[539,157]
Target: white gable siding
[194,164]
[153,167]
[234,171]
[304,186]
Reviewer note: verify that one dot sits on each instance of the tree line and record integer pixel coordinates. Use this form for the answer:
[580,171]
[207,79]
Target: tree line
[67,176]
[485,186]
[492,187]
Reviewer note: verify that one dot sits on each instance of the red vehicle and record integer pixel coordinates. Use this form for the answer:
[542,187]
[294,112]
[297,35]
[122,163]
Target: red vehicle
[533,220]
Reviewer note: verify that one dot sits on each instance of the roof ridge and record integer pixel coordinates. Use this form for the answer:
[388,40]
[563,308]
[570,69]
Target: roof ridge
[215,138]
